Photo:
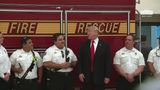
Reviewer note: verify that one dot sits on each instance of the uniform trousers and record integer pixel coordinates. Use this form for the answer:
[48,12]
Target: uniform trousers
[60,81]
[4,85]
[123,84]
[26,84]
[89,84]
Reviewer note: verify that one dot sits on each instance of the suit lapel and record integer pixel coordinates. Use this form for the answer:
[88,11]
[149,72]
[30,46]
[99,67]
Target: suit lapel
[98,47]
[88,48]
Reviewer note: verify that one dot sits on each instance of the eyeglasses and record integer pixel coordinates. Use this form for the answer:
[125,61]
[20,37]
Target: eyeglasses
[62,54]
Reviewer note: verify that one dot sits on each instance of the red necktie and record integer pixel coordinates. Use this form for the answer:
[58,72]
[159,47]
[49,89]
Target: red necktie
[92,53]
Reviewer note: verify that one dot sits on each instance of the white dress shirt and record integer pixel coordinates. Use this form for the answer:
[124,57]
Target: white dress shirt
[23,59]
[5,64]
[54,54]
[95,43]
[155,59]
[129,60]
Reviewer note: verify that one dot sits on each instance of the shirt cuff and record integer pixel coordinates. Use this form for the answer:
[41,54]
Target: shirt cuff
[8,71]
[1,75]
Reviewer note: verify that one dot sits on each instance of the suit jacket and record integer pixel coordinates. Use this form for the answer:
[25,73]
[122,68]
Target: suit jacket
[102,66]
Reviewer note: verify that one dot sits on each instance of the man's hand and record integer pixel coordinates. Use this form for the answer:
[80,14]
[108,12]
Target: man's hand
[125,75]
[18,70]
[65,65]
[106,80]
[39,81]
[6,76]
[130,78]
[81,77]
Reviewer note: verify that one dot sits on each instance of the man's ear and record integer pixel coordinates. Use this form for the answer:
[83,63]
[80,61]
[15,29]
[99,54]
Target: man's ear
[23,45]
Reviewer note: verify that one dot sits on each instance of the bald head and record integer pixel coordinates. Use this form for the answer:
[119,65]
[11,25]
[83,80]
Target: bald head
[92,32]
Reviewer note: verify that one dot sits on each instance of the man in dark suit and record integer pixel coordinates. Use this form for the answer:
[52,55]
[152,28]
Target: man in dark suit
[94,62]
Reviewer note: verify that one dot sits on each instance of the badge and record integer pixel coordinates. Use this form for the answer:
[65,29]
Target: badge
[55,52]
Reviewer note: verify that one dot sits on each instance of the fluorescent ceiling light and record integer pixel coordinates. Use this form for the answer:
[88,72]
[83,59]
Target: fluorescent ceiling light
[147,12]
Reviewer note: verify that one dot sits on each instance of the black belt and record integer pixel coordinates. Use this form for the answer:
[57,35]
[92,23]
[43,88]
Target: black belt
[62,73]
[26,80]
[53,70]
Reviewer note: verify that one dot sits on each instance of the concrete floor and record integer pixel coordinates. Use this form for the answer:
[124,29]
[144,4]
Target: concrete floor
[105,89]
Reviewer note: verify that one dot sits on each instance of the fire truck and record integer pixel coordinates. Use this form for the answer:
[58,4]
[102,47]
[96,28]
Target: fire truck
[41,19]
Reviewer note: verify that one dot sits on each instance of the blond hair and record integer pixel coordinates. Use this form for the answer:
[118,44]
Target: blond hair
[93,28]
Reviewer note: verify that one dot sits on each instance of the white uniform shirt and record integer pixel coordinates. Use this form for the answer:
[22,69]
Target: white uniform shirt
[153,58]
[54,54]
[5,64]
[95,44]
[23,59]
[129,60]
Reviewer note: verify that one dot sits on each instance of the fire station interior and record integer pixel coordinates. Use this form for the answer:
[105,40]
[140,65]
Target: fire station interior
[145,24]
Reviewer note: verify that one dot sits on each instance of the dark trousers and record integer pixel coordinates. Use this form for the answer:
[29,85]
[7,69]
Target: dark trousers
[4,85]
[26,84]
[60,81]
[90,85]
[123,84]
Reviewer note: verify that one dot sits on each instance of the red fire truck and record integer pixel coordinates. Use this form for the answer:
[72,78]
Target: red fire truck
[40,19]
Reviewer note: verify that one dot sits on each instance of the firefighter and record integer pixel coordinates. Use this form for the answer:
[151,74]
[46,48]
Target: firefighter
[154,60]
[27,66]
[60,62]
[129,64]
[5,66]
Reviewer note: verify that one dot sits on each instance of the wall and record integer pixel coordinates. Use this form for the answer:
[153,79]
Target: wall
[149,5]
[155,32]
